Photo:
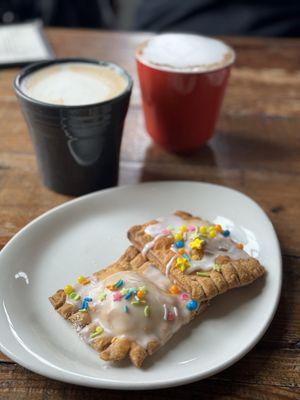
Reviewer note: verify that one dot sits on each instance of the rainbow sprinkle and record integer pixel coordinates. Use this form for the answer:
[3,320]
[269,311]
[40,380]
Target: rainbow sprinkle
[147,311]
[119,283]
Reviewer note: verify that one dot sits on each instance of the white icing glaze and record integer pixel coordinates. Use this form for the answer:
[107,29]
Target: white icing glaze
[214,247]
[169,265]
[149,245]
[133,325]
[155,276]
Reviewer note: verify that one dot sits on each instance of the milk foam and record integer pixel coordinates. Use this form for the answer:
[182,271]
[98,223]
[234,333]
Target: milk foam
[185,53]
[74,83]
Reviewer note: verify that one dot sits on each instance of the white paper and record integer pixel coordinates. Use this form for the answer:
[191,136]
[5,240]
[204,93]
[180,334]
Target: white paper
[20,43]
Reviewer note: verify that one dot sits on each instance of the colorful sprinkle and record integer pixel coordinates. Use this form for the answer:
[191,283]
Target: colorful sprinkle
[203,229]
[170,316]
[179,244]
[85,303]
[182,263]
[147,311]
[218,228]
[143,289]
[140,294]
[170,227]
[112,288]
[192,305]
[68,289]
[226,233]
[136,303]
[191,228]
[203,274]
[117,296]
[183,228]
[166,232]
[124,291]
[129,294]
[181,251]
[195,257]
[194,235]
[82,280]
[196,244]
[75,296]
[97,332]
[240,246]
[102,296]
[174,289]
[178,236]
[212,234]
[125,309]
[217,267]
[119,283]
[184,296]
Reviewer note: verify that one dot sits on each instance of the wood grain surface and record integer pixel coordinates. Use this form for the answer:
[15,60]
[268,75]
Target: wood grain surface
[256,149]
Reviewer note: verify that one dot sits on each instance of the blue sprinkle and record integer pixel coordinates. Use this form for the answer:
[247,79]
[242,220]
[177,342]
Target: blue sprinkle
[119,283]
[192,305]
[84,305]
[186,256]
[226,233]
[179,244]
[125,309]
[87,299]
[129,294]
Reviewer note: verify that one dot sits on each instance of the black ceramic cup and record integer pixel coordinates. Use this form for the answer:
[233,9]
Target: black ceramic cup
[77,147]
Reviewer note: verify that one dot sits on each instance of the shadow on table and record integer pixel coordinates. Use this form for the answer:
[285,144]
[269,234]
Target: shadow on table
[162,165]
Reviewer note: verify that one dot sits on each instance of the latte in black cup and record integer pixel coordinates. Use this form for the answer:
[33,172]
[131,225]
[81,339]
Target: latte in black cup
[75,110]
[74,83]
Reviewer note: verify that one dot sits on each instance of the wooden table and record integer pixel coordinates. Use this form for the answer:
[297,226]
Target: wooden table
[256,149]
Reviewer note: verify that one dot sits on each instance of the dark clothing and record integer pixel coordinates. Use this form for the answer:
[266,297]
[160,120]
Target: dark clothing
[70,13]
[219,17]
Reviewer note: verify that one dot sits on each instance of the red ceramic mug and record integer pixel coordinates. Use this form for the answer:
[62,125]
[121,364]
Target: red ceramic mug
[181,107]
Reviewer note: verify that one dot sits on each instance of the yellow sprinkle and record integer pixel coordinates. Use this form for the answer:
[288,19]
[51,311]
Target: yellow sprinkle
[182,263]
[203,229]
[240,246]
[194,257]
[68,289]
[196,244]
[82,280]
[178,236]
[212,234]
[182,228]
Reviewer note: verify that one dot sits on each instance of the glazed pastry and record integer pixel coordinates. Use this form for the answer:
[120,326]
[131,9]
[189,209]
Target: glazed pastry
[129,308]
[198,256]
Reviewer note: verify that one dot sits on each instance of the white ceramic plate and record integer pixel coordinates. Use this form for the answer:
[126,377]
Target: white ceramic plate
[88,233]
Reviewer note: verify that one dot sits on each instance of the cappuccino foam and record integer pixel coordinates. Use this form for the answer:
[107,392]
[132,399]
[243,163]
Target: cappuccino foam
[74,83]
[185,53]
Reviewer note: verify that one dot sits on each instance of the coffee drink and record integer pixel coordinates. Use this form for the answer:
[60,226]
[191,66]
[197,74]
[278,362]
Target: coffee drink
[75,110]
[182,79]
[74,84]
[185,53]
